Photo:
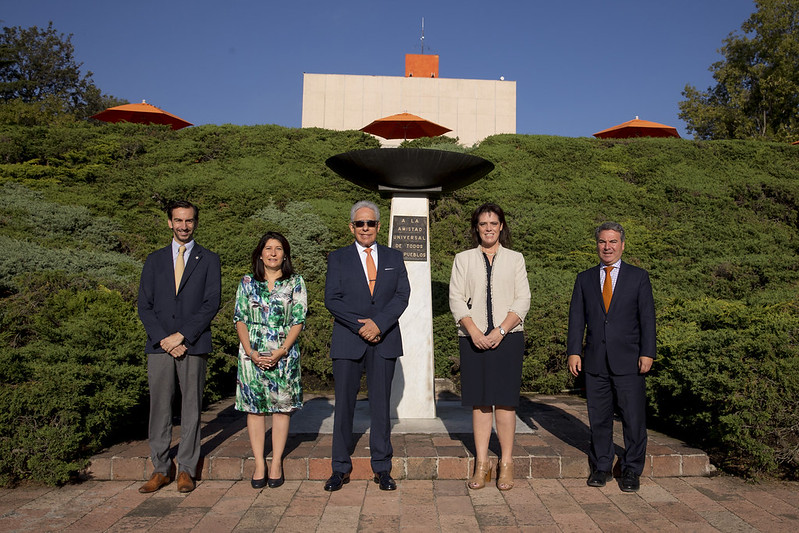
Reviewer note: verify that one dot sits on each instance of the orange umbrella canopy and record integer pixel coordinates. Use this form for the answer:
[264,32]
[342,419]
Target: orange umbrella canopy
[404,126]
[142,113]
[637,128]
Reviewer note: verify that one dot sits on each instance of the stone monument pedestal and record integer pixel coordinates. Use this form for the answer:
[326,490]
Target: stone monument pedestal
[413,391]
[410,176]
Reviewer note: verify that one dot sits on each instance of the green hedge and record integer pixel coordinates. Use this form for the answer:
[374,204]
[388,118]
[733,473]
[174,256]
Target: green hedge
[715,223]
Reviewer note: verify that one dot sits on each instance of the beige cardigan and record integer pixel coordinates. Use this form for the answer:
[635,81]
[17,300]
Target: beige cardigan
[510,289]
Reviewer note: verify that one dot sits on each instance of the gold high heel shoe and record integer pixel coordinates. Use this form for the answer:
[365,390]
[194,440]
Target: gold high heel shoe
[482,475]
[505,477]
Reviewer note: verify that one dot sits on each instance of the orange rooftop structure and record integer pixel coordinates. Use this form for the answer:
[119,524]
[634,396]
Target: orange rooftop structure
[421,66]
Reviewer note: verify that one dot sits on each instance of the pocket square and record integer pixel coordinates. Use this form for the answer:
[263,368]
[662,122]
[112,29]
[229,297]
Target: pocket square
[389,268]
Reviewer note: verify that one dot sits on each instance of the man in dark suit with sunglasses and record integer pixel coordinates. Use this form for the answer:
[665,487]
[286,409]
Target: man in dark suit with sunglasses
[366,291]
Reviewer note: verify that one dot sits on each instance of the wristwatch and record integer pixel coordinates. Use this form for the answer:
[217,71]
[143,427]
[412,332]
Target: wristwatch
[502,331]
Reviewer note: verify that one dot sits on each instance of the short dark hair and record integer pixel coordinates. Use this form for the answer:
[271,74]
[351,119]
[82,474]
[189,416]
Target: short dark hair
[613,226]
[488,207]
[182,204]
[258,269]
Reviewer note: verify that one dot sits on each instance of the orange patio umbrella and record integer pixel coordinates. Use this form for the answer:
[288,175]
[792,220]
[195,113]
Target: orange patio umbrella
[637,128]
[404,126]
[142,113]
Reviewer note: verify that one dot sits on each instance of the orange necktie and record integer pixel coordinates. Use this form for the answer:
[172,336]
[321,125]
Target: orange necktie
[180,265]
[371,270]
[607,288]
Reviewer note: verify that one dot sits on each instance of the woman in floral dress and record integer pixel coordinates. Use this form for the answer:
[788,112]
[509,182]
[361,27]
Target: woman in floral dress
[271,304]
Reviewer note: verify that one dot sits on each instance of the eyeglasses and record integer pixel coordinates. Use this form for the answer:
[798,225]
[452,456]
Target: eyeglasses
[361,223]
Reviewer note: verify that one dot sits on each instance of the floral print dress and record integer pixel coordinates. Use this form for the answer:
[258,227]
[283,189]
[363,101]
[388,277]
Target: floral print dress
[268,317]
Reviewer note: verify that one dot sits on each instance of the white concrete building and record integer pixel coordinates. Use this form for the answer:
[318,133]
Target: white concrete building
[472,109]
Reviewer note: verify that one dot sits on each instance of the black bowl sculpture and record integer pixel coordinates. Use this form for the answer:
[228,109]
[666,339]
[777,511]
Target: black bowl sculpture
[409,169]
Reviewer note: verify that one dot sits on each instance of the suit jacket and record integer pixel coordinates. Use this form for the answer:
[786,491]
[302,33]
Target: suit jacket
[623,334]
[191,310]
[347,298]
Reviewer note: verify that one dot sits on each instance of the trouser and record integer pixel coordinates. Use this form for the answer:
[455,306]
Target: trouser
[630,392]
[347,376]
[163,371]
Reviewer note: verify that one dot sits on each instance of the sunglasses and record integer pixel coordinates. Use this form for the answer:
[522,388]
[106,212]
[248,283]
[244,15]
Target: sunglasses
[361,223]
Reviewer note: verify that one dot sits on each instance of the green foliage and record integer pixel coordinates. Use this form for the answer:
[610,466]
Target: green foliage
[70,363]
[715,223]
[756,95]
[50,110]
[21,257]
[728,379]
[33,216]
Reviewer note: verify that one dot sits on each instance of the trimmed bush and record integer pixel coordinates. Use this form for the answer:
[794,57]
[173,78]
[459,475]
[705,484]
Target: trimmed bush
[715,223]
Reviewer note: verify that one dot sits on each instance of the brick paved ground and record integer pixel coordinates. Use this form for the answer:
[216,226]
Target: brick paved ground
[664,504]
[550,492]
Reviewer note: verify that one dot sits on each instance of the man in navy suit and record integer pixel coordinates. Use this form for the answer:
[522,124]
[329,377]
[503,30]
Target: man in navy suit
[366,291]
[614,302]
[179,295]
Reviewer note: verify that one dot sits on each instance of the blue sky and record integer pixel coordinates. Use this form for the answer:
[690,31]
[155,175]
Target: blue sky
[580,65]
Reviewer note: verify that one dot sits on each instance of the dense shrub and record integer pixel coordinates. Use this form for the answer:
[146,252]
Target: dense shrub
[728,380]
[715,223]
[71,365]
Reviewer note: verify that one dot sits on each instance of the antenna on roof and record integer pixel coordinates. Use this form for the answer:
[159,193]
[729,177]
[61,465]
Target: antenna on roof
[422,35]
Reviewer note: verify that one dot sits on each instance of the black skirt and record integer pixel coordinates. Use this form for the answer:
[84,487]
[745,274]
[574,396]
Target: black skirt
[492,377]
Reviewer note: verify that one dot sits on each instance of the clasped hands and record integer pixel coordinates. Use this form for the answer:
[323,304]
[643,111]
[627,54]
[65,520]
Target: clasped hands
[487,342]
[173,345]
[369,331]
[266,359]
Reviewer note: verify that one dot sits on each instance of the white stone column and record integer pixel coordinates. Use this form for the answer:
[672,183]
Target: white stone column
[412,392]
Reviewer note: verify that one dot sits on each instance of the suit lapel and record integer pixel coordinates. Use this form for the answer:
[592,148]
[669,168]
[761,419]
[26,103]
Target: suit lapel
[166,267]
[621,282]
[191,264]
[595,284]
[380,266]
[359,268]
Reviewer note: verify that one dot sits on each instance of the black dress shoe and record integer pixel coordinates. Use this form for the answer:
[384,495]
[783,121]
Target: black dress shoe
[599,478]
[385,480]
[275,483]
[336,481]
[630,481]
[258,483]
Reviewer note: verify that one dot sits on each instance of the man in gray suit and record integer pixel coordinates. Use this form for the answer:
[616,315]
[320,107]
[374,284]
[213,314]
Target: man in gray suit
[179,295]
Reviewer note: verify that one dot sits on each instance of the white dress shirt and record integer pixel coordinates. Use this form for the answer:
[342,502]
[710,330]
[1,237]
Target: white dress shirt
[614,274]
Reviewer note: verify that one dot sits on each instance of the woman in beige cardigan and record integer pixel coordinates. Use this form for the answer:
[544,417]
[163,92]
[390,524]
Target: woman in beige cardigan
[489,296]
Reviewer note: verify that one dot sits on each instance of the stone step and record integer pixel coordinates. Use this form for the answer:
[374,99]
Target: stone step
[551,442]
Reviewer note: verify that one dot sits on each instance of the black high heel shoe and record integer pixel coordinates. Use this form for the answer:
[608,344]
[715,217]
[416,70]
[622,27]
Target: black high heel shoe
[258,483]
[275,483]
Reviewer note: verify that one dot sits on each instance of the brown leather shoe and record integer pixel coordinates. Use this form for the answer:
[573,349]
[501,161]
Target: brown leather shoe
[185,482]
[157,480]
